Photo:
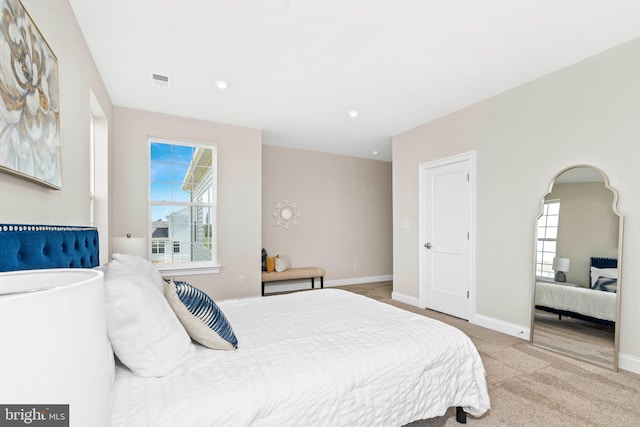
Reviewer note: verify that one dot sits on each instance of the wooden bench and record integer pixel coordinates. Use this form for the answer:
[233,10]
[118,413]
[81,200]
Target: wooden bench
[293,274]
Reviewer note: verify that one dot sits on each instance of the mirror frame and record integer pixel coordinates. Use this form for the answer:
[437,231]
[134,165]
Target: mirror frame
[614,207]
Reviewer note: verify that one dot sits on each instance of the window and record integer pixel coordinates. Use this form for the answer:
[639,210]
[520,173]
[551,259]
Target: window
[182,189]
[157,247]
[99,172]
[92,170]
[547,237]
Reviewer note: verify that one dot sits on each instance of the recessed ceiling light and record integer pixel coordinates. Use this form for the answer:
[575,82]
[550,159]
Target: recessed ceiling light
[375,153]
[353,113]
[222,85]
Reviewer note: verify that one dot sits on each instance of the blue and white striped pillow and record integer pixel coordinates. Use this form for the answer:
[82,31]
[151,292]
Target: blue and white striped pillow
[200,316]
[606,284]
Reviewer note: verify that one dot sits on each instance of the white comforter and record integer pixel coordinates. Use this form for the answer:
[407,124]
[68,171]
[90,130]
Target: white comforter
[319,358]
[585,301]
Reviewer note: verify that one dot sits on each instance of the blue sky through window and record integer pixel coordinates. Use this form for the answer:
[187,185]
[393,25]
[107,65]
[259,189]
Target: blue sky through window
[169,165]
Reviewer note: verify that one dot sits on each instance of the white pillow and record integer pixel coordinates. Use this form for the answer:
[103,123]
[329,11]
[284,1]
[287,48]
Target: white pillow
[141,265]
[145,333]
[282,263]
[111,363]
[596,273]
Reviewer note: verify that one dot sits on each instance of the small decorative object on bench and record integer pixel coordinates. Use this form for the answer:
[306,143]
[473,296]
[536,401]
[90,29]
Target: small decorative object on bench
[279,269]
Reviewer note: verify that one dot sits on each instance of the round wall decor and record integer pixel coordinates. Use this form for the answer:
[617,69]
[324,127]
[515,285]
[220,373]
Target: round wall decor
[286,214]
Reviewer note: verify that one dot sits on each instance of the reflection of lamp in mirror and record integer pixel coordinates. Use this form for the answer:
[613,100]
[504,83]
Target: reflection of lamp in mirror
[560,266]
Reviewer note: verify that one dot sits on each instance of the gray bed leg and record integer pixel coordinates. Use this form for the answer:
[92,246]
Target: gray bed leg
[461,416]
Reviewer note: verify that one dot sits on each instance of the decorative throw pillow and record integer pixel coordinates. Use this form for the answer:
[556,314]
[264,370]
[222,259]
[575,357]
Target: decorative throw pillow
[606,284]
[271,263]
[282,263]
[264,259]
[144,332]
[200,316]
[596,273]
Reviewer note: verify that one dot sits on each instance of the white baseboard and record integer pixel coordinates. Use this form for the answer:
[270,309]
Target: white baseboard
[407,299]
[484,321]
[297,285]
[512,329]
[358,280]
[629,363]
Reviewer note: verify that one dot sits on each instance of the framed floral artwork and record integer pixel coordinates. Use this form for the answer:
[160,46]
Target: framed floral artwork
[29,101]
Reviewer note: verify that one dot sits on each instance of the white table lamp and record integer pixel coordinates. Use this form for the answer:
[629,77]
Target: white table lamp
[130,246]
[561,266]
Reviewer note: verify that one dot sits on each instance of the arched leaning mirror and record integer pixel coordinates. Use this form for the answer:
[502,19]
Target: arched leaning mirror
[576,301]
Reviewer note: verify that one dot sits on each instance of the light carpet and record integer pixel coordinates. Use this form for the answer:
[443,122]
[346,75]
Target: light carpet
[530,386]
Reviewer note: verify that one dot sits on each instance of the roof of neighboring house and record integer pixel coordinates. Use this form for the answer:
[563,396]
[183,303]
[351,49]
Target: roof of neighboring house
[160,230]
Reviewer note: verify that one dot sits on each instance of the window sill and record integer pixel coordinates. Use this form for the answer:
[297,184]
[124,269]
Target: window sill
[188,270]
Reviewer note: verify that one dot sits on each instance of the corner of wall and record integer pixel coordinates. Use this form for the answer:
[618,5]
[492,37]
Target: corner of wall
[629,363]
[407,299]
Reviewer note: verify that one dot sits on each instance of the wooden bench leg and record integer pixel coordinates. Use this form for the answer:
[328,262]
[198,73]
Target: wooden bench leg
[262,288]
[313,286]
[321,282]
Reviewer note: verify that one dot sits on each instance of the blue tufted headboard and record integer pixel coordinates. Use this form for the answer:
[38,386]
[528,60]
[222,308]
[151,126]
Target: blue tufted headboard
[30,247]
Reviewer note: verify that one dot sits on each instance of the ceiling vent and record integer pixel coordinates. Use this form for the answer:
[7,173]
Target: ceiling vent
[160,80]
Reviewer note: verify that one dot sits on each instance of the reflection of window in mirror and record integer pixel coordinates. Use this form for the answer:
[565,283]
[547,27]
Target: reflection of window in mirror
[547,238]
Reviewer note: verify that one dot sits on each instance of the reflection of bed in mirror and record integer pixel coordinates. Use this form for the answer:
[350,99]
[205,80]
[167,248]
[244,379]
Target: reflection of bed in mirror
[578,220]
[595,304]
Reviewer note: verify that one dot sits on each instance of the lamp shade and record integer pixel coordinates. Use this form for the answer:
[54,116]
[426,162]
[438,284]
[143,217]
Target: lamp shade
[55,349]
[561,264]
[129,246]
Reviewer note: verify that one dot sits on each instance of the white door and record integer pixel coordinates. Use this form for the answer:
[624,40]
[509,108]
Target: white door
[445,236]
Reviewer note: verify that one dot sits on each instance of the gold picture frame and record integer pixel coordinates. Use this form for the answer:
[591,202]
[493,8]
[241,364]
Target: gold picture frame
[29,99]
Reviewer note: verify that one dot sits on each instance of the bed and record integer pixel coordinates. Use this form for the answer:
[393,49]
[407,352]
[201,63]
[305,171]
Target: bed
[595,304]
[323,357]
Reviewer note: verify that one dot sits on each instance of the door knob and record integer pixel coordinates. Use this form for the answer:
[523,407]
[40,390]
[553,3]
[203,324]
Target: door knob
[427,245]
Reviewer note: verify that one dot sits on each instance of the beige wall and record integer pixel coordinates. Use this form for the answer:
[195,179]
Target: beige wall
[239,191]
[345,205]
[588,226]
[584,114]
[24,201]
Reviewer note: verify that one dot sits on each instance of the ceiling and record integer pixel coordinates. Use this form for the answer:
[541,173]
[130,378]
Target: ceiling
[297,67]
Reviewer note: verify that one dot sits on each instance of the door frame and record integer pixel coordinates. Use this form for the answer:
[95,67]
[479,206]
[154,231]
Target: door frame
[469,156]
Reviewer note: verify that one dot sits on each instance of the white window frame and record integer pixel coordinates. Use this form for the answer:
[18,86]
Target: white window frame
[188,267]
[92,170]
[99,173]
[539,259]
